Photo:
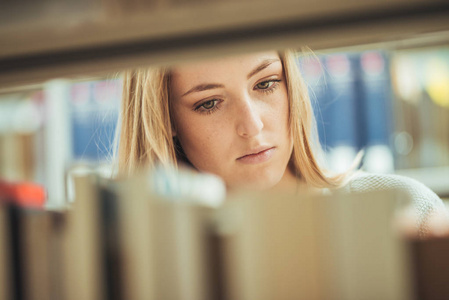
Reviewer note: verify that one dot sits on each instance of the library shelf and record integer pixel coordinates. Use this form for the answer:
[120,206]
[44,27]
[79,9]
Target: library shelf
[96,37]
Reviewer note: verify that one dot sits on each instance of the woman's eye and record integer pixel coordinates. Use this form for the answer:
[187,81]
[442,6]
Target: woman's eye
[268,86]
[264,85]
[209,104]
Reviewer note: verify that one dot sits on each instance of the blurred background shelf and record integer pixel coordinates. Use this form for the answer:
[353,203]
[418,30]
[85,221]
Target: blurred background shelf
[46,39]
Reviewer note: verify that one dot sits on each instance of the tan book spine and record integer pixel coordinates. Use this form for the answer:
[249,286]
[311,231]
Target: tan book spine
[180,235]
[83,278]
[165,246]
[137,250]
[269,247]
[361,255]
[312,247]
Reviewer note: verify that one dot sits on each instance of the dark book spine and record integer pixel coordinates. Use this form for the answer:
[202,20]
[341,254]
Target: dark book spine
[14,235]
[376,98]
[110,243]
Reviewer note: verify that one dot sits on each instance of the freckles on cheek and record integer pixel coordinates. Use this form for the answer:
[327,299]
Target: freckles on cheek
[277,114]
[199,138]
[210,139]
[205,140]
[203,151]
[212,145]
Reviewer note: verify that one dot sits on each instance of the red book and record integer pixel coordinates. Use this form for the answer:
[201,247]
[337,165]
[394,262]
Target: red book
[24,194]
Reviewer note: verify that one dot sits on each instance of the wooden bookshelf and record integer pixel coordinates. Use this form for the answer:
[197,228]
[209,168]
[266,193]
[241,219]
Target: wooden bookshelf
[108,36]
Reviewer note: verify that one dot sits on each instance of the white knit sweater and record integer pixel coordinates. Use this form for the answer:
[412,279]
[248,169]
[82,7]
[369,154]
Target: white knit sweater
[425,201]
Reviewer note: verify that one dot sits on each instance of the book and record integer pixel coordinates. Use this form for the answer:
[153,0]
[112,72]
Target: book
[376,111]
[35,253]
[82,268]
[421,114]
[119,240]
[165,249]
[343,107]
[6,282]
[312,247]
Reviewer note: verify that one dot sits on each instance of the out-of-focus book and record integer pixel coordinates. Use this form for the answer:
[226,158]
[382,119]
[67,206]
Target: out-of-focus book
[121,240]
[421,107]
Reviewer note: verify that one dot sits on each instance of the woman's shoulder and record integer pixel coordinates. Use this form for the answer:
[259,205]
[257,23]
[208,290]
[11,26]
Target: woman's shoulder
[366,182]
[424,200]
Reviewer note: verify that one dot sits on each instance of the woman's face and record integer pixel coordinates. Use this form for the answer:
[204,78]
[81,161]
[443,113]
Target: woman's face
[231,118]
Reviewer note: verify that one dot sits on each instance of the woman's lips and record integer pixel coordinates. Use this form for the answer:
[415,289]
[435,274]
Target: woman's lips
[258,157]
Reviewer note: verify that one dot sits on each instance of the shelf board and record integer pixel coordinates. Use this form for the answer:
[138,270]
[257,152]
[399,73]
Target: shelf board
[103,40]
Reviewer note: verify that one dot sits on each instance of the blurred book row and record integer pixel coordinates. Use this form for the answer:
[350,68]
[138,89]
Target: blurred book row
[45,133]
[394,105]
[121,241]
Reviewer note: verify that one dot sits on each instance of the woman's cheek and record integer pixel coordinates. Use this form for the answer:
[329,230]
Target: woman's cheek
[202,142]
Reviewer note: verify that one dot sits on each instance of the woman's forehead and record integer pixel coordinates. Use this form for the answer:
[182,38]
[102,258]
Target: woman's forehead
[232,64]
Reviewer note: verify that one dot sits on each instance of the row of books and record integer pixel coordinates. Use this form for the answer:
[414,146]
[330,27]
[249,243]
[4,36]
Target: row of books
[20,133]
[419,79]
[121,241]
[392,104]
[352,96]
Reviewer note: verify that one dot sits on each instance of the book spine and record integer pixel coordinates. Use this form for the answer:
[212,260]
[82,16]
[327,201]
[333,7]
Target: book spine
[82,272]
[35,254]
[342,100]
[376,112]
[6,280]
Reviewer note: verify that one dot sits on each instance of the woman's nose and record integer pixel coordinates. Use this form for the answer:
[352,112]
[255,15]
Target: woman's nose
[249,121]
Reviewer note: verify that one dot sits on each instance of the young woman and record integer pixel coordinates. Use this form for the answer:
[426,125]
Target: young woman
[247,119]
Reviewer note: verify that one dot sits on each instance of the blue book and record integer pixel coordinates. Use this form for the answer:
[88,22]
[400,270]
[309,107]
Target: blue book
[376,98]
[341,106]
[376,111]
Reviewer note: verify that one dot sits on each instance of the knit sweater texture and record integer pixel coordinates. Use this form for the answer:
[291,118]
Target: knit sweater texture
[425,201]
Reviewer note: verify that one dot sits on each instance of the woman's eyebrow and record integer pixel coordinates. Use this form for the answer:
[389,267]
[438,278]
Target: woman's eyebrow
[209,86]
[203,87]
[265,63]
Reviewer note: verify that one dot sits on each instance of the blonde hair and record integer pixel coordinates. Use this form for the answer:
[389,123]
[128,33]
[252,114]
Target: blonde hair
[146,126]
